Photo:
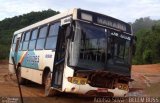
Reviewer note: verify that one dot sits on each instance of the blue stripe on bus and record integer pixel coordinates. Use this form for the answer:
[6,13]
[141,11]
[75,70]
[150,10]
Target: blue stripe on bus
[30,60]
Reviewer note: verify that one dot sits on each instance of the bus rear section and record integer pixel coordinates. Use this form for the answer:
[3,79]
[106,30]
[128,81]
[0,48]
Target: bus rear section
[85,53]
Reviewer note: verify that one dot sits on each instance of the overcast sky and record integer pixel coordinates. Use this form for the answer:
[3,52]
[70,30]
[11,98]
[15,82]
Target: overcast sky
[126,10]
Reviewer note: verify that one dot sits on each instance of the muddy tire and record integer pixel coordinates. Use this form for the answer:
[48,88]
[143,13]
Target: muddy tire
[48,91]
[21,79]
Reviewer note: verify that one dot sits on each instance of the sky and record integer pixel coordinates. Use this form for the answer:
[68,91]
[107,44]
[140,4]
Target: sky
[126,10]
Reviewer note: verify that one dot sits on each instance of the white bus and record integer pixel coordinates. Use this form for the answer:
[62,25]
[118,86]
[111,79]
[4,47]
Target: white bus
[77,51]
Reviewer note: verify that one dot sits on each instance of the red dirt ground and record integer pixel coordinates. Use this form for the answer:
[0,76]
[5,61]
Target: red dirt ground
[147,77]
[146,83]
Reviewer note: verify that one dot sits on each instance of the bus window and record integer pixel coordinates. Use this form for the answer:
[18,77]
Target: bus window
[41,38]
[32,42]
[54,29]
[21,41]
[43,32]
[15,39]
[118,50]
[52,37]
[34,34]
[14,43]
[27,36]
[26,40]
[22,37]
[51,43]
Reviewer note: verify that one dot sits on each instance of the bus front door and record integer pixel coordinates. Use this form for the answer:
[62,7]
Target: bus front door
[58,69]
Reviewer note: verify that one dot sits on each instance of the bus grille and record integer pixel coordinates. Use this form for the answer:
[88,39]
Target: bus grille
[102,81]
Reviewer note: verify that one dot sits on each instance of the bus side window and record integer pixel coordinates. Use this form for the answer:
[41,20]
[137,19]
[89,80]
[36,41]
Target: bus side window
[21,41]
[41,37]
[26,40]
[52,36]
[32,42]
[14,39]
[14,42]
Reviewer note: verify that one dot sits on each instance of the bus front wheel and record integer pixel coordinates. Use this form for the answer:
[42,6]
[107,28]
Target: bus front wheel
[48,90]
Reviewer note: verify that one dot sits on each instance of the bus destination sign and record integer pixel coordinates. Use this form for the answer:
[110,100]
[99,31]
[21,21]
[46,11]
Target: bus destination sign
[104,20]
[113,24]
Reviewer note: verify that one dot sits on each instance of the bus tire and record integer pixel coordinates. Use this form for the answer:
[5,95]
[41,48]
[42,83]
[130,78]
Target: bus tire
[48,90]
[21,79]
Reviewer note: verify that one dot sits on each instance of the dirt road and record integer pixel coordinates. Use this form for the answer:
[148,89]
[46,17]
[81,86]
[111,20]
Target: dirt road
[147,77]
[147,81]
[33,93]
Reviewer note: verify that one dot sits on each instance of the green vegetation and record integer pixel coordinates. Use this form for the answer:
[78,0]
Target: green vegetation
[146,30]
[148,41]
[9,25]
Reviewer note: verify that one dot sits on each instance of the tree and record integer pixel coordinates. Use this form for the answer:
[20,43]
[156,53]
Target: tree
[148,49]
[9,25]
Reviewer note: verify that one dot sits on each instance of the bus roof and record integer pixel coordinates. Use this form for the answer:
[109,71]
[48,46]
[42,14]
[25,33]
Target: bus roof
[77,14]
[55,17]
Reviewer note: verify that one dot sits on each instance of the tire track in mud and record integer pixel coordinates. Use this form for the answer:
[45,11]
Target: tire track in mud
[29,88]
[146,81]
[9,79]
[143,81]
[137,86]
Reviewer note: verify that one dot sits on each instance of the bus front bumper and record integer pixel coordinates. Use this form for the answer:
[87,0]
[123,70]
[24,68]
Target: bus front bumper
[95,91]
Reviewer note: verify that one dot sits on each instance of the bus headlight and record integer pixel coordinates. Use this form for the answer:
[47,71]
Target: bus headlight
[77,80]
[119,86]
[82,82]
[122,86]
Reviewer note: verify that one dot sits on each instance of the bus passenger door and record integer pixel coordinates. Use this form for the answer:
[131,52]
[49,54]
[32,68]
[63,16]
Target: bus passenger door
[59,60]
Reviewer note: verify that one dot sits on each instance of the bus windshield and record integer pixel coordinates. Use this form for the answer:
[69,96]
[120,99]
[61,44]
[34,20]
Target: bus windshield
[96,50]
[92,49]
[118,50]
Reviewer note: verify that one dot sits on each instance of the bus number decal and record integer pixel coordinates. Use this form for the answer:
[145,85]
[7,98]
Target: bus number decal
[121,36]
[48,56]
[32,58]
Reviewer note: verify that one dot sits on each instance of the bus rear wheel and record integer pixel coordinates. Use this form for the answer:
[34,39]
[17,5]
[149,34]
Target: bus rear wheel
[48,90]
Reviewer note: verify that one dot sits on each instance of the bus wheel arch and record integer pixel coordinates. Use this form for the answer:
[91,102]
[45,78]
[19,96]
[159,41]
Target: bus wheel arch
[46,81]
[47,78]
[45,73]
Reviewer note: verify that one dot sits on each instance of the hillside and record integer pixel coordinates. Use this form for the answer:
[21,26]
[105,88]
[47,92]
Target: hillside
[9,25]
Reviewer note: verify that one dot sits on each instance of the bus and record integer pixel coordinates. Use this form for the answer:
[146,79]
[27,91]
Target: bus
[77,51]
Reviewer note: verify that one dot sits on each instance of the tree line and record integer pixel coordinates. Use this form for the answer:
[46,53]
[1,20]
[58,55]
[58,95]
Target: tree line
[9,25]
[146,30]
